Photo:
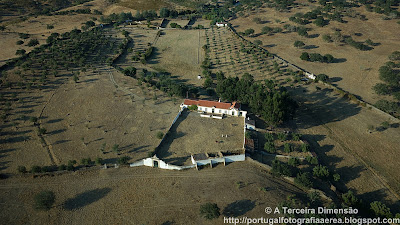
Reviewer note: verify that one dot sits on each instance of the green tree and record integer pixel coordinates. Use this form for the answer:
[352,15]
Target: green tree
[266,30]
[304,179]
[298,44]
[293,162]
[75,78]
[44,200]
[249,31]
[164,12]
[33,42]
[381,89]
[258,42]
[305,56]
[287,147]
[381,209]
[20,52]
[209,211]
[350,199]
[321,171]
[270,147]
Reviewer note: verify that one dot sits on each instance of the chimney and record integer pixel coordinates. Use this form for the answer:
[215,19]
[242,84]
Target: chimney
[219,100]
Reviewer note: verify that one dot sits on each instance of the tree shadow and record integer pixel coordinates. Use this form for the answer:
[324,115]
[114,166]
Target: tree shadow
[56,131]
[321,107]
[238,208]
[313,36]
[310,47]
[339,60]
[85,198]
[55,120]
[335,79]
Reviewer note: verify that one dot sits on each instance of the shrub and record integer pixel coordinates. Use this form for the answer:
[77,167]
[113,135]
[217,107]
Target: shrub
[33,42]
[22,169]
[44,200]
[249,31]
[86,161]
[36,169]
[191,108]
[322,77]
[99,161]
[123,160]
[298,44]
[115,148]
[62,167]
[326,38]
[209,211]
[160,135]
[282,136]
[336,177]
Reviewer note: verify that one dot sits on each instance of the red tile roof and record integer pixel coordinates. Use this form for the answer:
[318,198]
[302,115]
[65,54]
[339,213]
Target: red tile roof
[206,103]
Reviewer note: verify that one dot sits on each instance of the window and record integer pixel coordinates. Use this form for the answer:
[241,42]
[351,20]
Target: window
[220,111]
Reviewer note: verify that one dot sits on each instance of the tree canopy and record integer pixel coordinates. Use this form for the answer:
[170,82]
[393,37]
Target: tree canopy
[267,99]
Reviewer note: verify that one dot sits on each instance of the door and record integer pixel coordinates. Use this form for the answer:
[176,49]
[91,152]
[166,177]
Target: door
[155,164]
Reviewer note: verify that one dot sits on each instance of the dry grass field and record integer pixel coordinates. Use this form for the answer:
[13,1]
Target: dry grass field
[144,195]
[337,131]
[81,117]
[192,134]
[180,53]
[356,66]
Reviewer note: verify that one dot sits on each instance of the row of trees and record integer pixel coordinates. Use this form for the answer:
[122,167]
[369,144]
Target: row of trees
[272,102]
[390,75]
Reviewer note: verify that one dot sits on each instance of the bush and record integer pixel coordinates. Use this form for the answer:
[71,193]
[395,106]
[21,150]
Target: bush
[99,161]
[191,108]
[62,167]
[298,44]
[86,161]
[44,200]
[322,77]
[33,42]
[160,135]
[22,169]
[123,160]
[36,169]
[209,211]
[249,31]
[327,38]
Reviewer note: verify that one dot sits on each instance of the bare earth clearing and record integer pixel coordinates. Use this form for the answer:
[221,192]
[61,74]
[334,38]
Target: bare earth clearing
[192,134]
[144,195]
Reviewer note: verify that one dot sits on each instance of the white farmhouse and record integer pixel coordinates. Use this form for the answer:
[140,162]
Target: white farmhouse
[221,24]
[213,107]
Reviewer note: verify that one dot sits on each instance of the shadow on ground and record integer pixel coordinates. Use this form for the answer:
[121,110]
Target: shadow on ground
[85,198]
